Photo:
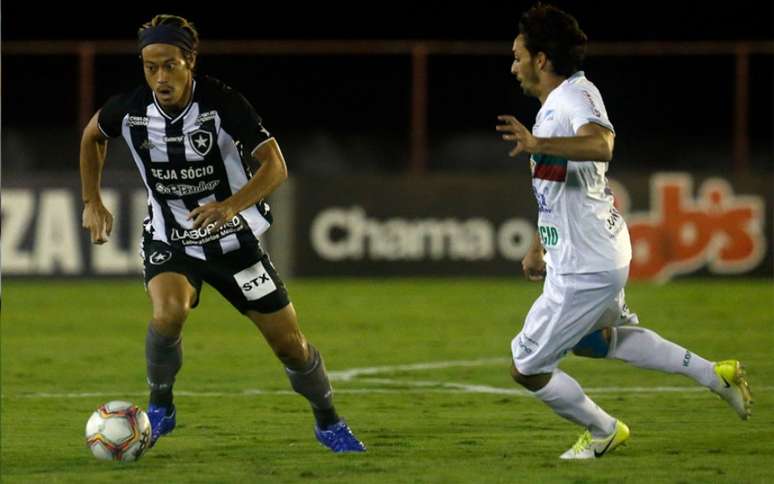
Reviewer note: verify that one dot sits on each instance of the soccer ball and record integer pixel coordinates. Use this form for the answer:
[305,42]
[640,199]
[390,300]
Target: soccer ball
[118,431]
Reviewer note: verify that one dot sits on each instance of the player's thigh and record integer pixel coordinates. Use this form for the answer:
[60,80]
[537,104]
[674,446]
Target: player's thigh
[617,313]
[173,284]
[248,280]
[532,348]
[171,289]
[565,312]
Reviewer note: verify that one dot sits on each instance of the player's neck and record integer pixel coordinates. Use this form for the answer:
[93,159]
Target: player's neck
[178,107]
[548,83]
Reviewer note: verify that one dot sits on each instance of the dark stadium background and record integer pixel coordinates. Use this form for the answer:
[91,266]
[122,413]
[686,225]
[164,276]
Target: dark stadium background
[689,86]
[342,113]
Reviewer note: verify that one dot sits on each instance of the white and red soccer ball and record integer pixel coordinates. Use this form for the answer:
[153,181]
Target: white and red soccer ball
[118,431]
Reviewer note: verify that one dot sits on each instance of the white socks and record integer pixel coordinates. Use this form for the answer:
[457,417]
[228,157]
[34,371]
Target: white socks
[645,349]
[638,346]
[566,398]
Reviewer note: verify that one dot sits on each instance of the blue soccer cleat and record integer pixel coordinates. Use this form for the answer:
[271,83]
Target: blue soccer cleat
[339,438]
[162,420]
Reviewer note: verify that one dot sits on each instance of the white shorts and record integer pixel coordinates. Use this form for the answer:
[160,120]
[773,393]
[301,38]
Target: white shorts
[571,306]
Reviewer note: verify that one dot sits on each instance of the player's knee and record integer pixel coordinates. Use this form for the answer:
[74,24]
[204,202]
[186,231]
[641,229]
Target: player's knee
[523,380]
[530,382]
[169,316]
[594,345]
[517,377]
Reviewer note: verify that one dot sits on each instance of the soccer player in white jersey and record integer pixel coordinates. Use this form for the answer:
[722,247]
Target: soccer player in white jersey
[582,247]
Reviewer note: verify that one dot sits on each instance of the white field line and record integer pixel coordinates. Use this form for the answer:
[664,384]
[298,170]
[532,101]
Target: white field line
[383,385]
[450,387]
[421,388]
[346,375]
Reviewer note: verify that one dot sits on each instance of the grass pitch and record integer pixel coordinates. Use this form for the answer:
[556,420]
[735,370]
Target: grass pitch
[420,369]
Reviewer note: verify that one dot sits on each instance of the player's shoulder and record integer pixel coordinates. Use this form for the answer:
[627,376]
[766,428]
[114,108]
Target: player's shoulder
[213,88]
[212,93]
[579,86]
[578,92]
[130,101]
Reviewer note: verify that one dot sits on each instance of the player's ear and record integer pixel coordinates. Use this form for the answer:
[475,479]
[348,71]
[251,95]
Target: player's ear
[191,60]
[541,60]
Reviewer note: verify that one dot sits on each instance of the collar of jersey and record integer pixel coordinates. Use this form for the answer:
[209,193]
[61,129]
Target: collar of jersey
[183,112]
[569,80]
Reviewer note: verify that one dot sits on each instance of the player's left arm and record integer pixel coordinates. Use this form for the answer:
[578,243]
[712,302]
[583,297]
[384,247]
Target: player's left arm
[271,174]
[592,141]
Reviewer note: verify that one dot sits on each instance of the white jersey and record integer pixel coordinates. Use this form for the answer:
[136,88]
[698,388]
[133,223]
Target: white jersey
[577,223]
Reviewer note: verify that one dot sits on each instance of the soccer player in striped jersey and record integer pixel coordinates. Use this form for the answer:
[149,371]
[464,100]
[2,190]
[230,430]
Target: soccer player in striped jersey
[193,140]
[585,241]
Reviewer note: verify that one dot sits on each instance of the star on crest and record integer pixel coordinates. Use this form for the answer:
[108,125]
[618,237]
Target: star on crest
[201,141]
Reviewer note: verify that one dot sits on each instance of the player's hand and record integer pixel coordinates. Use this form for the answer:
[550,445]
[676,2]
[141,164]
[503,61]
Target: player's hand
[98,221]
[513,130]
[534,266]
[217,213]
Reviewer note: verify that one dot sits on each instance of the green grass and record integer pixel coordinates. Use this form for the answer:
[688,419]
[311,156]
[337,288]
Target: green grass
[77,338]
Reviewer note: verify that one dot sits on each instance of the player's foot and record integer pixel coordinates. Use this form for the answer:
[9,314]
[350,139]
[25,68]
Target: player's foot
[162,420]
[589,448]
[339,438]
[733,387]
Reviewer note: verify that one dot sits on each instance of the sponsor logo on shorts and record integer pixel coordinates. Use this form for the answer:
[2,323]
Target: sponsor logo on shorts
[206,234]
[159,257]
[525,342]
[255,282]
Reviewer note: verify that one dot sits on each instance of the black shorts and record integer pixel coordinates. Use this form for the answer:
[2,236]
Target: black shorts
[245,277]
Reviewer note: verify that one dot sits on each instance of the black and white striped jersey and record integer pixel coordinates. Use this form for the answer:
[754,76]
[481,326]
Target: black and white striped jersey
[190,159]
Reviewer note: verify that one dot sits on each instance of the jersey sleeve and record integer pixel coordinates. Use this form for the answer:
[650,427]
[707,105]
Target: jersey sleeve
[585,106]
[242,122]
[112,115]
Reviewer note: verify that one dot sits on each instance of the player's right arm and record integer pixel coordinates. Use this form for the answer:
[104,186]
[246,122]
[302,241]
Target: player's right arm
[96,218]
[533,263]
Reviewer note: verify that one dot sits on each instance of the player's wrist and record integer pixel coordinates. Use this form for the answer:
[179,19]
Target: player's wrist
[96,200]
[537,145]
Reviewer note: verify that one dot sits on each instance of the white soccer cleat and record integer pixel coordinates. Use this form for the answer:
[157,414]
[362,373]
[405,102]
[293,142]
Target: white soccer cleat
[589,448]
[733,387]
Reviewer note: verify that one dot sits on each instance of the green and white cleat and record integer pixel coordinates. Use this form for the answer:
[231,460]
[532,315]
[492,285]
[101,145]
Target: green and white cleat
[733,387]
[589,448]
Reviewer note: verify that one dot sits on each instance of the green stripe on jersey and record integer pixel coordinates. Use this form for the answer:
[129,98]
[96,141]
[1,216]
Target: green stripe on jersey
[542,159]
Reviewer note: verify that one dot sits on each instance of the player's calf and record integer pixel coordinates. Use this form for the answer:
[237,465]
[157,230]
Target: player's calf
[311,381]
[164,358]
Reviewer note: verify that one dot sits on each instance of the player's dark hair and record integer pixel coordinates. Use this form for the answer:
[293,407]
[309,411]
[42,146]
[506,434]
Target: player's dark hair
[557,34]
[175,21]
